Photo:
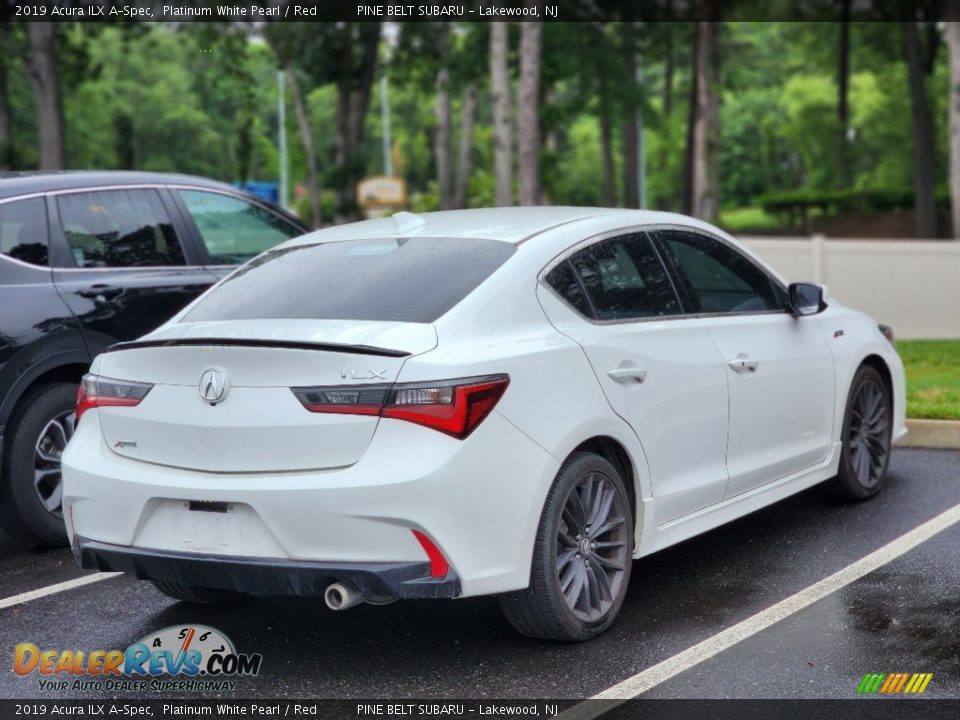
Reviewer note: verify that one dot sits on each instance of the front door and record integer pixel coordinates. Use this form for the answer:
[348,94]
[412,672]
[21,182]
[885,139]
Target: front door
[778,368]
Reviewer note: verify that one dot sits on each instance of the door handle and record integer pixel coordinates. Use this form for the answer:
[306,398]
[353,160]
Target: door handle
[744,364]
[101,292]
[626,374]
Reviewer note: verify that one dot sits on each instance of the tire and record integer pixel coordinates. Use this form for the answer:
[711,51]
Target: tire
[867,429]
[596,579]
[31,485]
[195,595]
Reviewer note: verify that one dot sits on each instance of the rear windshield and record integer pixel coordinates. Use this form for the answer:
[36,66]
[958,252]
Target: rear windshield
[402,280]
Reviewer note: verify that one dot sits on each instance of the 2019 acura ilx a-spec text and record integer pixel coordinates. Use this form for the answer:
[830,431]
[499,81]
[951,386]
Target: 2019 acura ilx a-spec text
[516,402]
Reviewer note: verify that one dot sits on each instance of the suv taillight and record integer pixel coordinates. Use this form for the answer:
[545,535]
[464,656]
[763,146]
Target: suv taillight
[96,391]
[455,407]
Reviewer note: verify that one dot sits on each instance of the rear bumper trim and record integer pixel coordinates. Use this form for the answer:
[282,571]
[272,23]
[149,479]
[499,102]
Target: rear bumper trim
[267,576]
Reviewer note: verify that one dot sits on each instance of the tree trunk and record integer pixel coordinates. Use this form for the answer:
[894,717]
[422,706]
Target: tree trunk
[468,116]
[606,146]
[664,201]
[528,113]
[46,94]
[500,98]
[924,201]
[353,98]
[844,168]
[441,147]
[703,169]
[953,49]
[6,124]
[306,139]
[631,187]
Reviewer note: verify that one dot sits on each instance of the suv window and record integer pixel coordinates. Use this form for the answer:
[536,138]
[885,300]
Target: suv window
[720,279]
[235,230]
[119,228]
[402,280]
[23,230]
[615,279]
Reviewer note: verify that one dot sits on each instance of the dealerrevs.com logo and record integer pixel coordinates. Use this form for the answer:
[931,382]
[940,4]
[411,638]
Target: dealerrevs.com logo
[178,658]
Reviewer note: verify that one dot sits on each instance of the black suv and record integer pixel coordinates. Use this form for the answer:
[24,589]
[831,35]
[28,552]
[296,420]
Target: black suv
[88,259]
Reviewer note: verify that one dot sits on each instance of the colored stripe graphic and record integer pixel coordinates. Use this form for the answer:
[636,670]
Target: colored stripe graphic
[894,683]
[871,682]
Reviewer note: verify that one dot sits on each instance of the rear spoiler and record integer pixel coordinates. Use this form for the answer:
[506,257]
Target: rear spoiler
[244,342]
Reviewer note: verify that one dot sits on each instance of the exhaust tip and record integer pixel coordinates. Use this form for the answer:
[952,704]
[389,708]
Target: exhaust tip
[340,597]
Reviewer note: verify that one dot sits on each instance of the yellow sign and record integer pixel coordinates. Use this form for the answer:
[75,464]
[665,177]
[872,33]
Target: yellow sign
[381,191]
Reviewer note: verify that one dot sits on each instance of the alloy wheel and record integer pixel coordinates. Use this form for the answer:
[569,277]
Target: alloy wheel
[47,475]
[869,433]
[591,547]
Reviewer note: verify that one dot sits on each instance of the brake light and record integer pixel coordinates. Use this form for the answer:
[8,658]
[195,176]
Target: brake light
[454,407]
[96,391]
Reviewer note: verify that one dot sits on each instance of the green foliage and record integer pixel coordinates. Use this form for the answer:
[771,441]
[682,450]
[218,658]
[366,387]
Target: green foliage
[933,386]
[202,98]
[795,203]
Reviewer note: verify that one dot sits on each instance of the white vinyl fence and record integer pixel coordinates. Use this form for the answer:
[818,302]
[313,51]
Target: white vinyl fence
[911,285]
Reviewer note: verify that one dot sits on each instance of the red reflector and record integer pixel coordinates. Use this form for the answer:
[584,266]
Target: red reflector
[438,563]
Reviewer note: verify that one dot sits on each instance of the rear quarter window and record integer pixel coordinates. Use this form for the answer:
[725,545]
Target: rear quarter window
[400,280]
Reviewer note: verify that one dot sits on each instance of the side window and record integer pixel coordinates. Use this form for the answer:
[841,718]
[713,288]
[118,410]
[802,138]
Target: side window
[621,278]
[720,279]
[23,231]
[234,230]
[119,228]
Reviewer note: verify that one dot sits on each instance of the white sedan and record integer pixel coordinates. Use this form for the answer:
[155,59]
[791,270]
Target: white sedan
[516,402]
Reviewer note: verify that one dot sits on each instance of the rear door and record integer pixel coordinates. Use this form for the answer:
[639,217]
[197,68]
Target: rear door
[123,267]
[657,365]
[779,368]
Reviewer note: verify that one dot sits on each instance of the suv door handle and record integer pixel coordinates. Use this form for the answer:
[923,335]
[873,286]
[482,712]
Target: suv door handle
[101,292]
[625,374]
[742,363]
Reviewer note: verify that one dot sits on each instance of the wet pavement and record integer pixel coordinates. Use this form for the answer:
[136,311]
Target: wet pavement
[903,617]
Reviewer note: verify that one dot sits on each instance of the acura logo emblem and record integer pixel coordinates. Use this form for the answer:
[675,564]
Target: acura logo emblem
[213,385]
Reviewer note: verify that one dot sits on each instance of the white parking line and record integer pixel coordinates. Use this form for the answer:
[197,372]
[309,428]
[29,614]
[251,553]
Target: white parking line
[54,589]
[692,656]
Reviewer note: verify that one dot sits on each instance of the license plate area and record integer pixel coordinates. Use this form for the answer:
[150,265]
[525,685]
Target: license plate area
[208,527]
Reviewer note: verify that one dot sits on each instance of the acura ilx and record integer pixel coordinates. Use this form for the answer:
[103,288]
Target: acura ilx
[516,401]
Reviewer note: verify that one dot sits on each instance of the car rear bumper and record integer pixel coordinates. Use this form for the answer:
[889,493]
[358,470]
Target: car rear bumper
[478,501]
[378,581]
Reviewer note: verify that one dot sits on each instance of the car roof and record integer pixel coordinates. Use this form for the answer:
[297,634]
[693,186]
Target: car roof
[508,224]
[13,184]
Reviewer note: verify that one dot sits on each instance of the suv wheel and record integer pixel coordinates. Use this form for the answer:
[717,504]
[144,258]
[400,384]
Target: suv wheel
[31,488]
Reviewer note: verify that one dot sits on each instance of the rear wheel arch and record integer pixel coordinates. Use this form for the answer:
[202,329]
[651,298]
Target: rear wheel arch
[69,370]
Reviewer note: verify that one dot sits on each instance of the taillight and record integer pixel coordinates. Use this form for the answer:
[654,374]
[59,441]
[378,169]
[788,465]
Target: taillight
[455,407]
[96,391]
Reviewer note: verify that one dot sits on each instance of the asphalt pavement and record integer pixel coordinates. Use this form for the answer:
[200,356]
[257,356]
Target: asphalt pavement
[902,617]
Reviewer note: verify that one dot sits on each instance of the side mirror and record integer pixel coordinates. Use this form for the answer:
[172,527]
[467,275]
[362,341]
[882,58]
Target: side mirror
[805,299]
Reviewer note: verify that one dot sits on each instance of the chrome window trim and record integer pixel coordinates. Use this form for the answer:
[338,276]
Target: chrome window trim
[137,186]
[133,186]
[17,198]
[633,229]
